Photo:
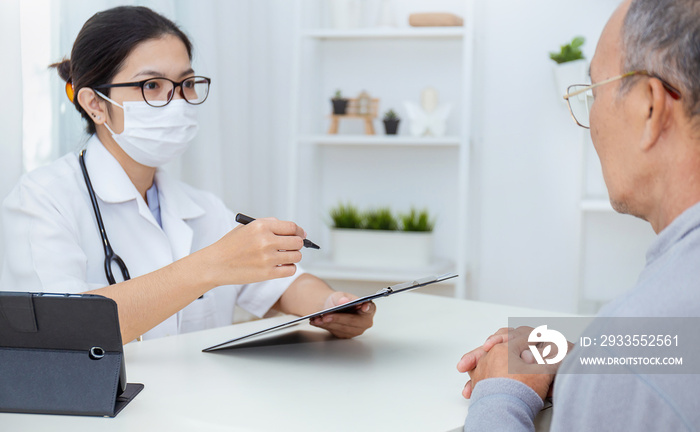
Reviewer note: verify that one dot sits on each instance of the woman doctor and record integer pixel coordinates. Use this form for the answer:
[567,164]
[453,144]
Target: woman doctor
[131,79]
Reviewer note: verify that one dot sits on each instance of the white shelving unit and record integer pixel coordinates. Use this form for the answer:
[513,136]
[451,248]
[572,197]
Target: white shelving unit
[331,271]
[393,33]
[379,170]
[596,205]
[379,140]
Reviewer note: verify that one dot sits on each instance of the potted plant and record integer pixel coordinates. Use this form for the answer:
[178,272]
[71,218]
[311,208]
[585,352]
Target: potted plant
[391,122]
[340,104]
[346,228]
[378,239]
[570,65]
[418,227]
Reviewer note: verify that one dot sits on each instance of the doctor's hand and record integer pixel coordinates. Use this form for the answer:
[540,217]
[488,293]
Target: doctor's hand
[346,324]
[262,250]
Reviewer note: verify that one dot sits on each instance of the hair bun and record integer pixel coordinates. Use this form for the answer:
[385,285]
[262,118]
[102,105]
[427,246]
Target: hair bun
[64,69]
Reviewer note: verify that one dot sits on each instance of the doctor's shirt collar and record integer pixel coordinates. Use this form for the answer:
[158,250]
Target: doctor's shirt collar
[109,180]
[112,184]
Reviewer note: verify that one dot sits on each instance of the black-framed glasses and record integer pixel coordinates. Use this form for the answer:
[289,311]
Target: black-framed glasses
[580,96]
[158,92]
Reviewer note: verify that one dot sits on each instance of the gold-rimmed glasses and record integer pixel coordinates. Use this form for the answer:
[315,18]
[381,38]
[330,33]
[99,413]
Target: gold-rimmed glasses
[580,96]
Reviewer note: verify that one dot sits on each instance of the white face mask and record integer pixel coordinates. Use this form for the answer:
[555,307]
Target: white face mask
[155,136]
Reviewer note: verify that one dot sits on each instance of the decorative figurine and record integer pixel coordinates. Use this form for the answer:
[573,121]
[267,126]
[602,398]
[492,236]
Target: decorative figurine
[363,107]
[429,119]
[363,103]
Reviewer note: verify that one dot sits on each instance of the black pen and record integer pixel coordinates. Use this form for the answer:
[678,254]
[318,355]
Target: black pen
[245,220]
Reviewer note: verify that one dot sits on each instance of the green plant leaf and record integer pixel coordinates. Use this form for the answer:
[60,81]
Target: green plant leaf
[391,115]
[569,52]
[346,216]
[416,221]
[380,219]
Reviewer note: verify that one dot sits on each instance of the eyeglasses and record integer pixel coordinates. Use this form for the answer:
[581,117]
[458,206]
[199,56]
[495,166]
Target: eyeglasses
[158,92]
[580,96]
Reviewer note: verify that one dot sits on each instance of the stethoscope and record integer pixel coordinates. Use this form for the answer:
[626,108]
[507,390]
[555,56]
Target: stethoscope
[110,256]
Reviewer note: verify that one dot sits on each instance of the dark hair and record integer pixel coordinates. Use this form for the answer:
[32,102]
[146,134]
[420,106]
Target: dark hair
[105,41]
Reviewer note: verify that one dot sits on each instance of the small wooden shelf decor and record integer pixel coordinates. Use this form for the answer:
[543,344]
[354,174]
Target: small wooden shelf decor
[362,107]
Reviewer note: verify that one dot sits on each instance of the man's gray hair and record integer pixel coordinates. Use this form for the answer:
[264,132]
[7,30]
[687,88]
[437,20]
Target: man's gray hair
[663,38]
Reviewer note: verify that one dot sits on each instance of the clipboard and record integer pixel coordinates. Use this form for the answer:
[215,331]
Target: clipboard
[62,354]
[384,292]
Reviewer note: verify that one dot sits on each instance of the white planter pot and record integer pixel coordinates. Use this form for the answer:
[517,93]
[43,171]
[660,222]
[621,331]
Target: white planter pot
[568,73]
[346,14]
[381,249]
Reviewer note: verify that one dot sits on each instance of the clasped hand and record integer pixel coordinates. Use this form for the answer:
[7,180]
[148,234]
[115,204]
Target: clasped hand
[506,354]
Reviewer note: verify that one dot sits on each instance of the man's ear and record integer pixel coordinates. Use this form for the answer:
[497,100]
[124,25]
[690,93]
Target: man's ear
[92,104]
[658,110]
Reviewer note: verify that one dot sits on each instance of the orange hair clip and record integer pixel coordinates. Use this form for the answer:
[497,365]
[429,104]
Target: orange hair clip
[69,91]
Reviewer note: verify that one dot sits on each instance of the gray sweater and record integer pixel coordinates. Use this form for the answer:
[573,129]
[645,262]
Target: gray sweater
[669,286]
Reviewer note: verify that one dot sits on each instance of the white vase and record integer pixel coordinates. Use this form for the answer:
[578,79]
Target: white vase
[386,15]
[381,249]
[566,74]
[346,14]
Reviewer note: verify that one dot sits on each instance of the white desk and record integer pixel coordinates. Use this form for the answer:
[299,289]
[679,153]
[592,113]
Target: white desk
[399,376]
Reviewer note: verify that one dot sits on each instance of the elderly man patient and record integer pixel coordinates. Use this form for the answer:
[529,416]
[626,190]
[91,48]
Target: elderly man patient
[645,125]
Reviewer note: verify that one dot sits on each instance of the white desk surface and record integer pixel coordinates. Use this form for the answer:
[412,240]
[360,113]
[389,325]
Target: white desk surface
[399,376]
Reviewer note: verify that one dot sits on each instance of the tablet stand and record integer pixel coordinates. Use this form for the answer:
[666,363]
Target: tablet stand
[61,354]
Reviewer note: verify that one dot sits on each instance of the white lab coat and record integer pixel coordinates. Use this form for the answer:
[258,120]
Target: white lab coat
[52,243]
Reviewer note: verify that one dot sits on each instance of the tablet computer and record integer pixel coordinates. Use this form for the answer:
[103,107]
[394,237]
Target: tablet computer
[62,354]
[346,307]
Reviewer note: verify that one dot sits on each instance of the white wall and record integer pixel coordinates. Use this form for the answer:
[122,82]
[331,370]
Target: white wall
[11,106]
[528,152]
[245,47]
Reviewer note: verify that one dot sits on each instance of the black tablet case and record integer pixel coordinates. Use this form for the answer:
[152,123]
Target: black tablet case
[45,362]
